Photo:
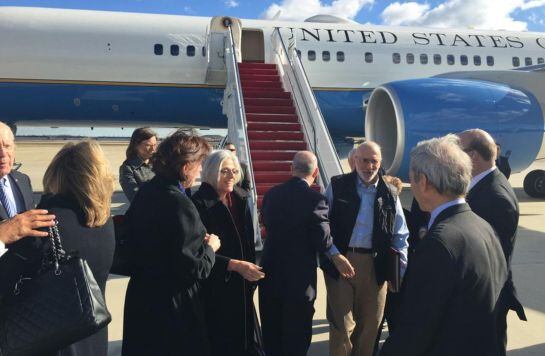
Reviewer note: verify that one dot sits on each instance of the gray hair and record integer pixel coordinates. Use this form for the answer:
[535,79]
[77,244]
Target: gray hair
[211,167]
[5,131]
[445,165]
[304,162]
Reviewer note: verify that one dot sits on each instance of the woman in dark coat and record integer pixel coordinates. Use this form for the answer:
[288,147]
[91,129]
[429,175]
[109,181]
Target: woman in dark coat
[228,292]
[78,186]
[170,253]
[136,169]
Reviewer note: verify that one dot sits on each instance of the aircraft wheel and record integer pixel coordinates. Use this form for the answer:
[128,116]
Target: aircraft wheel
[534,183]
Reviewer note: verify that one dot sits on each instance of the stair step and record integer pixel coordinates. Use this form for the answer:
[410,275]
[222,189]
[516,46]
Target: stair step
[273,126]
[277,145]
[270,109]
[272,166]
[272,155]
[266,94]
[246,89]
[257,65]
[271,177]
[271,118]
[275,135]
[258,71]
[260,84]
[259,77]
[267,102]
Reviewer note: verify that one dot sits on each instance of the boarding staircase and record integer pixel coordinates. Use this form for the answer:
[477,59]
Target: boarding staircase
[272,113]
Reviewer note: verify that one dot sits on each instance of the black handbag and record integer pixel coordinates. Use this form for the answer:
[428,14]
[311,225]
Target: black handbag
[61,305]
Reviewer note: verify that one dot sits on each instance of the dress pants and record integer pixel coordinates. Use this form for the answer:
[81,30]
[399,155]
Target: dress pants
[355,308]
[286,324]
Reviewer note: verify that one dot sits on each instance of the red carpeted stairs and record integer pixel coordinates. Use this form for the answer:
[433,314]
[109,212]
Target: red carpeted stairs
[274,131]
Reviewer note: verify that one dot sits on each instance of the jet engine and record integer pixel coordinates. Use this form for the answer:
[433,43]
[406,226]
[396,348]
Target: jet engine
[400,114]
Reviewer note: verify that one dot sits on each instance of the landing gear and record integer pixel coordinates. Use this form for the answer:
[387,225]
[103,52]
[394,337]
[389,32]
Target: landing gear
[534,183]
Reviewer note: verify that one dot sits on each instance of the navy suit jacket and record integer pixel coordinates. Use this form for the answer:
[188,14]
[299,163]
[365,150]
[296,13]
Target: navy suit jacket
[296,219]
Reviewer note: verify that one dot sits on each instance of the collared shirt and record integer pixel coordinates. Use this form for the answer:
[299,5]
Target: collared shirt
[442,207]
[362,234]
[479,177]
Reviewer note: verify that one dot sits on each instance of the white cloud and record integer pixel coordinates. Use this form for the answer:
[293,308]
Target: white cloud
[299,10]
[231,3]
[481,14]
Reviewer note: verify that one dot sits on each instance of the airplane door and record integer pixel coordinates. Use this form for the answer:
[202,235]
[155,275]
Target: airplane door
[253,48]
[215,43]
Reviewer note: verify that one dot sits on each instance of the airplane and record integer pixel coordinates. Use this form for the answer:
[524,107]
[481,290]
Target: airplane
[396,85]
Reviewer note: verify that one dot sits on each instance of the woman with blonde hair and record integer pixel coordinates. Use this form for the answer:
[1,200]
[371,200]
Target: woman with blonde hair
[78,187]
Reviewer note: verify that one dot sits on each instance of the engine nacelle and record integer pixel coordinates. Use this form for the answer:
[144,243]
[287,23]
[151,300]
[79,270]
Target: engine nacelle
[400,114]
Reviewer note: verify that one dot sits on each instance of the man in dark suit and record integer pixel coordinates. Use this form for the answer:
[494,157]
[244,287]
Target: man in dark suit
[458,270]
[15,189]
[491,197]
[295,217]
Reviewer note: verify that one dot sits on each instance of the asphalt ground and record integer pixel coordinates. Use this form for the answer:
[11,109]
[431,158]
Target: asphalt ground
[524,338]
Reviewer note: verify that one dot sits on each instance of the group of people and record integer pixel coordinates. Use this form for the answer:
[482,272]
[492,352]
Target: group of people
[193,269]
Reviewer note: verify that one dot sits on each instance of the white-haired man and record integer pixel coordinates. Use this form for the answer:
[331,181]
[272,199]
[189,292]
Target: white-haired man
[458,269]
[15,189]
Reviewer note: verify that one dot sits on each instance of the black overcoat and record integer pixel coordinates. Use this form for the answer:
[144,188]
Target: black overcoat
[228,298]
[163,308]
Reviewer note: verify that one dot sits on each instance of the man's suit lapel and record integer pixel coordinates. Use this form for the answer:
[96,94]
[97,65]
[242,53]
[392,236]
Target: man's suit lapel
[23,191]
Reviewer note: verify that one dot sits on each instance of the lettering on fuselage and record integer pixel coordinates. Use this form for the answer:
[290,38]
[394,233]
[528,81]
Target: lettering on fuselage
[417,38]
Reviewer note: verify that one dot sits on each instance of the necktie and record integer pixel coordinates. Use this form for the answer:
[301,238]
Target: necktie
[8,203]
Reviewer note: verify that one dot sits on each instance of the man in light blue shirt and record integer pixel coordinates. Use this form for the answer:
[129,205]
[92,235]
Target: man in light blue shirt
[367,221]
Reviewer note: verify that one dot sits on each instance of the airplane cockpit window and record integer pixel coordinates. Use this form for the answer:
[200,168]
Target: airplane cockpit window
[477,60]
[326,56]
[311,55]
[516,61]
[340,56]
[463,60]
[450,59]
[190,51]
[158,49]
[423,58]
[368,57]
[410,58]
[396,58]
[528,61]
[437,59]
[490,61]
[203,51]
[174,50]
[540,60]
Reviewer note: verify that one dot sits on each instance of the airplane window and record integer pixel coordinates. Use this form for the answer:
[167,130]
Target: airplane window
[298,53]
[540,60]
[463,60]
[368,57]
[204,51]
[516,61]
[340,56]
[174,50]
[311,55]
[158,49]
[528,61]
[326,56]
[190,51]
[490,61]
[410,58]
[423,58]
[450,59]
[437,59]
[396,58]
[477,60]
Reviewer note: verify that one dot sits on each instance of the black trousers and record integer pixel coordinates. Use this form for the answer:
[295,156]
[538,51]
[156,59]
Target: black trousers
[286,324]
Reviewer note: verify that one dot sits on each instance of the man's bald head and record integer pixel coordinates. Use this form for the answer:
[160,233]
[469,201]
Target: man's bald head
[304,164]
[480,147]
[368,159]
[370,147]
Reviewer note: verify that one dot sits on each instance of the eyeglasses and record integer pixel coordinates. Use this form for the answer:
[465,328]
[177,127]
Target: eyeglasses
[226,172]
[231,149]
[367,161]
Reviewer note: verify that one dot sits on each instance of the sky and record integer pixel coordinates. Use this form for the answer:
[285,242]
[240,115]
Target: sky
[514,15]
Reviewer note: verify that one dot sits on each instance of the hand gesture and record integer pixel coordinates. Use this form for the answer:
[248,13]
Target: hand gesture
[343,266]
[26,224]
[249,271]
[213,241]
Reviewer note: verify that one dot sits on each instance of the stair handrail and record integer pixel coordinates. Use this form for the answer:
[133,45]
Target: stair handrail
[313,122]
[237,126]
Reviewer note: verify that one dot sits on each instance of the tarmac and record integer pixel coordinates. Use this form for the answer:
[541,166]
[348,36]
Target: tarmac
[528,264]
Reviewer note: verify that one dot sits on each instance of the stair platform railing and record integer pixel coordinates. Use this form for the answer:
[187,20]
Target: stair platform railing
[233,108]
[295,80]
